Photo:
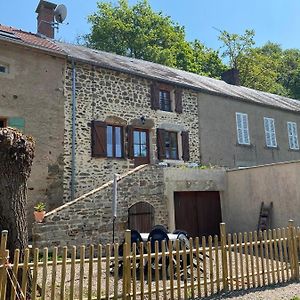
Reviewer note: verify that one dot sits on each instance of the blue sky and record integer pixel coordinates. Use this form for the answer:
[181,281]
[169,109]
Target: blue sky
[274,20]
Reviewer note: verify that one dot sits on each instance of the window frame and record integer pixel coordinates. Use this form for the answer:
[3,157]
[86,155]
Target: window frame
[245,139]
[114,126]
[166,101]
[5,121]
[270,129]
[168,150]
[293,145]
[6,68]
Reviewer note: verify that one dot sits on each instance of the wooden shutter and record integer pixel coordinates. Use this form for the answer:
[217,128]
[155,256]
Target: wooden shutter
[185,145]
[178,101]
[155,96]
[99,147]
[130,141]
[161,149]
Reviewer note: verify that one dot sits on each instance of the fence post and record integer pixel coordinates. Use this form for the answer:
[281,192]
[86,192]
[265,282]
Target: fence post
[224,256]
[127,262]
[3,259]
[292,243]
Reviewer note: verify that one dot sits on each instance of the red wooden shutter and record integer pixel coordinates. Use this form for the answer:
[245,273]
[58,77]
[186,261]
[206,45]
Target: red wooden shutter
[155,96]
[130,141]
[99,147]
[178,101]
[161,149]
[185,145]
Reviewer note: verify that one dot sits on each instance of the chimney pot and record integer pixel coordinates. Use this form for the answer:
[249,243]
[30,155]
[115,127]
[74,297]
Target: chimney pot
[231,76]
[45,18]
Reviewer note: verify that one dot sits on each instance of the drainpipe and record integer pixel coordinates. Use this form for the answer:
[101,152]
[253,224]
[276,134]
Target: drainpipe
[73,162]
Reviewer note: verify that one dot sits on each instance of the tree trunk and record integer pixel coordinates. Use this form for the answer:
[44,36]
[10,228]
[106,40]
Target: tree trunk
[16,156]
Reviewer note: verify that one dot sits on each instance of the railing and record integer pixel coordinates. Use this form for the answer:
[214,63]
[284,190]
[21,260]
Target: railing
[172,270]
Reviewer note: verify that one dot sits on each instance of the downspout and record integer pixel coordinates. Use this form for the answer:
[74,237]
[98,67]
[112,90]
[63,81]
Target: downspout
[73,162]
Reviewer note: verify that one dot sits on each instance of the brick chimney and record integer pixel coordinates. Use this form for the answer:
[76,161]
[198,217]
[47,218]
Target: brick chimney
[45,18]
[231,76]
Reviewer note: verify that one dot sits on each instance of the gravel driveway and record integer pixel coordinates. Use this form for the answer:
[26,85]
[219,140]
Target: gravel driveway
[278,292]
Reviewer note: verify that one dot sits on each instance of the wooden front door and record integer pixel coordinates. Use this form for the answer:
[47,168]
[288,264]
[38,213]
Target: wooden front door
[198,213]
[141,146]
[141,217]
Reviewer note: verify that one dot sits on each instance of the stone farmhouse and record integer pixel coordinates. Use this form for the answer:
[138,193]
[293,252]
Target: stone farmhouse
[94,114]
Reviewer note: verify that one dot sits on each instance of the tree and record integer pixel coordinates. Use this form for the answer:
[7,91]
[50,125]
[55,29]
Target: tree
[267,68]
[16,156]
[140,32]
[236,45]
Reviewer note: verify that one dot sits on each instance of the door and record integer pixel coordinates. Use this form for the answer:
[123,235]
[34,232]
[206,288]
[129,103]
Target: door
[198,213]
[141,217]
[141,146]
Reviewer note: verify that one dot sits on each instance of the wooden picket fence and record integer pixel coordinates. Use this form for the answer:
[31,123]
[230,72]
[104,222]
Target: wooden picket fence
[173,271]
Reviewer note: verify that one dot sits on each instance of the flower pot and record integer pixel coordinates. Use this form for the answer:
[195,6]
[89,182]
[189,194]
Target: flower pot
[39,216]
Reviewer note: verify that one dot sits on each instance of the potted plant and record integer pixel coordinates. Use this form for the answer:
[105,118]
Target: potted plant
[39,212]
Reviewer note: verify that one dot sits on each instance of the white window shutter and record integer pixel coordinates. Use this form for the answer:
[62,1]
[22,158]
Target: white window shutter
[293,135]
[270,133]
[290,134]
[242,128]
[267,132]
[239,127]
[246,129]
[273,133]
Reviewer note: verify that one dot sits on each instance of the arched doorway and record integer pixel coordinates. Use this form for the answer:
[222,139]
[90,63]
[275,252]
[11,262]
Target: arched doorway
[141,217]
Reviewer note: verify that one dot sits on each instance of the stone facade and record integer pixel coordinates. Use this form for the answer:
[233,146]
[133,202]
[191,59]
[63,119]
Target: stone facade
[88,219]
[119,98]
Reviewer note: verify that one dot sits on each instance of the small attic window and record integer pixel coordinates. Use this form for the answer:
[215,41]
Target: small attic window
[3,68]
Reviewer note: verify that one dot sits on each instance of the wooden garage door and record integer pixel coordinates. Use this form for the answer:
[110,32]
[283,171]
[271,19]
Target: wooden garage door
[141,217]
[198,213]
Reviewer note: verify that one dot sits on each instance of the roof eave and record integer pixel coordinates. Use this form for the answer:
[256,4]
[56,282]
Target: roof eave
[28,45]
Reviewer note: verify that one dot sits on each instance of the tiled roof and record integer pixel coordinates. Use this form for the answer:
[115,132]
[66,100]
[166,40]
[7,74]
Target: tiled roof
[149,70]
[187,79]
[28,38]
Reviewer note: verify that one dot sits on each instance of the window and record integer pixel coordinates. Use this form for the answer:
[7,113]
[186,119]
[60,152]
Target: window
[167,145]
[171,145]
[3,122]
[242,129]
[140,143]
[3,69]
[114,139]
[107,140]
[164,100]
[293,135]
[269,125]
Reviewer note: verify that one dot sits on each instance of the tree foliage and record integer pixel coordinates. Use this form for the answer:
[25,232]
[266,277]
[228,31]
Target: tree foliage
[236,45]
[137,31]
[267,68]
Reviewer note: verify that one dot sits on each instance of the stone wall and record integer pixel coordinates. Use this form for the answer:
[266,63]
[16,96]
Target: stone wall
[88,219]
[106,95]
